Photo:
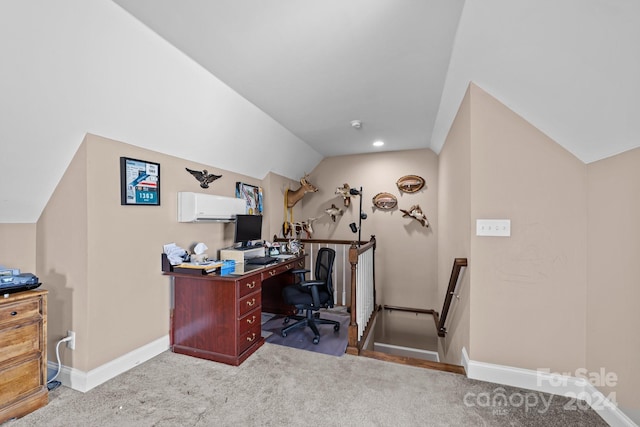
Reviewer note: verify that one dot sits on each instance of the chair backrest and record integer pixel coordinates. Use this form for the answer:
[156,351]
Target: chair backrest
[324,268]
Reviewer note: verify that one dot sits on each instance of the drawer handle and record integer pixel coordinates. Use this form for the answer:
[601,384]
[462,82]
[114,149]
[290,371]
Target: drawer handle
[250,321]
[13,313]
[251,285]
[272,273]
[252,337]
[252,302]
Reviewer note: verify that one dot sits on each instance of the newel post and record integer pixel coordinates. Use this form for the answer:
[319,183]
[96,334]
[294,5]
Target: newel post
[352,347]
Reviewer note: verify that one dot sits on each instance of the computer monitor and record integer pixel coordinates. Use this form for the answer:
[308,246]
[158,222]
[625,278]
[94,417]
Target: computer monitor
[248,228]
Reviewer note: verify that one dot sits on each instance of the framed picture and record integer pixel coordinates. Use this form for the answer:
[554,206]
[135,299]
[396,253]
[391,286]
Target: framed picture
[252,195]
[139,182]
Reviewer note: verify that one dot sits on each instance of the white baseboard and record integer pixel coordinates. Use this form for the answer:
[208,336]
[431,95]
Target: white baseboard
[547,383]
[85,381]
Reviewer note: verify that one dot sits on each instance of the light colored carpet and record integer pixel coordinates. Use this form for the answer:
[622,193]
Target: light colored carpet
[281,386]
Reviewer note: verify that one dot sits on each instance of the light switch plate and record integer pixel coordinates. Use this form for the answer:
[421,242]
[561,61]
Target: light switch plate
[493,227]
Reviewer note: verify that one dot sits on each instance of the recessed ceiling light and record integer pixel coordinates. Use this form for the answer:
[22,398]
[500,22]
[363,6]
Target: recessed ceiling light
[378,143]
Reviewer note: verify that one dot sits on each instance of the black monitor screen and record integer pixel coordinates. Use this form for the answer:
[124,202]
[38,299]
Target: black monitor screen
[248,227]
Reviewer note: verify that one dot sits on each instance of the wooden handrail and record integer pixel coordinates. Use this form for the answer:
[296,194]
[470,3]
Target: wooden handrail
[458,263]
[321,241]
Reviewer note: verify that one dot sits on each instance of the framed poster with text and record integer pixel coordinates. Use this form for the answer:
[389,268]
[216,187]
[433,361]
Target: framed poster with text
[139,182]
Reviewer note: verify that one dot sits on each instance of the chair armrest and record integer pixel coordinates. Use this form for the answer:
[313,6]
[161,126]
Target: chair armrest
[312,283]
[300,270]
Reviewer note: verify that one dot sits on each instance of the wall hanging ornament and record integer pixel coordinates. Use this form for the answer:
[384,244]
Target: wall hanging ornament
[410,183]
[385,201]
[416,213]
[205,178]
[291,197]
[333,212]
[303,227]
[344,191]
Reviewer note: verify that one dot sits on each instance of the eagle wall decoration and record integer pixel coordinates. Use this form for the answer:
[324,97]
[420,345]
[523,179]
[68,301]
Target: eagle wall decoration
[205,178]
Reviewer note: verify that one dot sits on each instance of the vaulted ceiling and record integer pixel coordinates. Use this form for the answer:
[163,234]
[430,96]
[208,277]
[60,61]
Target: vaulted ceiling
[143,71]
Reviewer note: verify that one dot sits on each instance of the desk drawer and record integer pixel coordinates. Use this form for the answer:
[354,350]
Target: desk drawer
[20,340]
[247,339]
[20,310]
[249,285]
[249,303]
[249,321]
[279,269]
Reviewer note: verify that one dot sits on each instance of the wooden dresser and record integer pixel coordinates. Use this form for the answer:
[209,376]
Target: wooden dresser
[23,353]
[219,317]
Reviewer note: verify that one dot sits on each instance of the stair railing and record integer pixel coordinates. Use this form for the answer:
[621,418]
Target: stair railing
[458,264]
[363,294]
[456,272]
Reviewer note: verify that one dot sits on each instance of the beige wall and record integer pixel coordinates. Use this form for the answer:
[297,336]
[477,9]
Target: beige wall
[18,246]
[560,293]
[275,186]
[101,261]
[528,291]
[454,230]
[62,255]
[406,255]
[613,272]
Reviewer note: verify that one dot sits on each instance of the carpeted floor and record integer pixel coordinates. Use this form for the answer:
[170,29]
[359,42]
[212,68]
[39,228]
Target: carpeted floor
[281,386]
[331,342]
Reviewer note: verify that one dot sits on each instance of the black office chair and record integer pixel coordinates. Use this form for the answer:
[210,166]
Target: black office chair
[312,295]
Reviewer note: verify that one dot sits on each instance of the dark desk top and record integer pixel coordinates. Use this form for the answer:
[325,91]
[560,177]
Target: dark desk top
[241,269]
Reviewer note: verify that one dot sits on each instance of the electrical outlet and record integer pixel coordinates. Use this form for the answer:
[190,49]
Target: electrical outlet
[493,227]
[72,343]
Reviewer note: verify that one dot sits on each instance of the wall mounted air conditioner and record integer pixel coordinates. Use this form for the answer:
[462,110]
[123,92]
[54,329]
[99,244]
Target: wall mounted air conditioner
[200,207]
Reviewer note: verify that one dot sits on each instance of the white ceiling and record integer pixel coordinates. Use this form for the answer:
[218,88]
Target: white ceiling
[315,66]
[570,67]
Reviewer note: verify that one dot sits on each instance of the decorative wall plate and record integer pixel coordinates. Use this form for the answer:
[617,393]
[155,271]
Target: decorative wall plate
[410,183]
[385,201]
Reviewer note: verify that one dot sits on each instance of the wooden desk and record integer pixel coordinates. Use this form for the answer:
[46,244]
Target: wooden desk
[219,317]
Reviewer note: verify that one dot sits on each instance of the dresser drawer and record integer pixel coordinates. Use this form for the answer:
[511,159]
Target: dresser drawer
[249,303]
[249,321]
[18,311]
[20,379]
[249,285]
[20,340]
[249,338]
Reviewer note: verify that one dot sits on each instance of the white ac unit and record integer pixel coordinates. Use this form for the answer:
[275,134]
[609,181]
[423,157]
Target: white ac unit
[196,207]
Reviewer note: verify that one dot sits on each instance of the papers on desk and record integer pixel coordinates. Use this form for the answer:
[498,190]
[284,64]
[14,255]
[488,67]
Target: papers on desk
[175,254]
[284,256]
[207,265]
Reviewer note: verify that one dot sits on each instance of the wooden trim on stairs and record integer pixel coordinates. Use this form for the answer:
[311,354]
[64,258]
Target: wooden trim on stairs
[412,361]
